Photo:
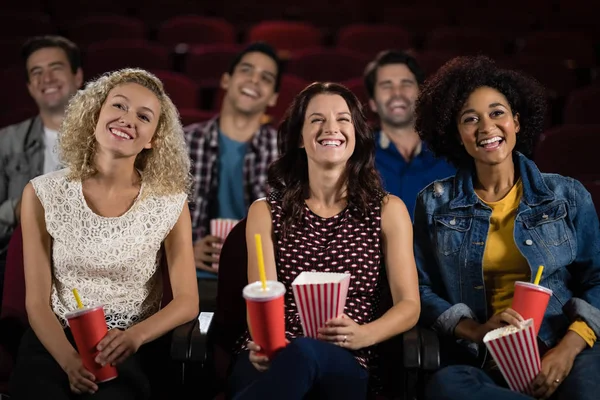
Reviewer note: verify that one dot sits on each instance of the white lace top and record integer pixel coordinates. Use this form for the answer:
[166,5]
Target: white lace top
[110,261]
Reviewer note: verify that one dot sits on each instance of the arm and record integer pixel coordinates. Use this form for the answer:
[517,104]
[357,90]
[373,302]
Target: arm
[436,312]
[184,306]
[401,272]
[259,221]
[8,206]
[585,270]
[37,245]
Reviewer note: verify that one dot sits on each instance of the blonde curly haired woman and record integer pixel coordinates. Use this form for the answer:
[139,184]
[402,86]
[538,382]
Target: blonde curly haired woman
[98,226]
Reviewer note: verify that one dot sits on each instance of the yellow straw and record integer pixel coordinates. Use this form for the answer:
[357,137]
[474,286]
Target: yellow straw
[538,276]
[261,261]
[77,298]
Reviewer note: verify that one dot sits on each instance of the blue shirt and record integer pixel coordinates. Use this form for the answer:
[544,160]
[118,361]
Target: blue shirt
[230,196]
[406,179]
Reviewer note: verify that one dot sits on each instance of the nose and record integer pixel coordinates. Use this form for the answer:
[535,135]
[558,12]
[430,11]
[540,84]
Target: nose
[486,124]
[124,120]
[255,77]
[47,75]
[396,90]
[331,125]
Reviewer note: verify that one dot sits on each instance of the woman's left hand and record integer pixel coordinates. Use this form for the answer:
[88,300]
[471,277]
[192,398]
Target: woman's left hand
[556,365]
[117,345]
[344,332]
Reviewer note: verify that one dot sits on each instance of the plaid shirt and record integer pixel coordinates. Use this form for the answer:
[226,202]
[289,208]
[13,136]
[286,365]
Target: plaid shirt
[203,144]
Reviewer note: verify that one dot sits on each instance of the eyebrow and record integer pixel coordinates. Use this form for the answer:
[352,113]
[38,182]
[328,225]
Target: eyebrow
[470,110]
[247,64]
[321,115]
[125,97]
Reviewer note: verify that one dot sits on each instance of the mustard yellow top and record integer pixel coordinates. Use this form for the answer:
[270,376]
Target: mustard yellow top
[503,263]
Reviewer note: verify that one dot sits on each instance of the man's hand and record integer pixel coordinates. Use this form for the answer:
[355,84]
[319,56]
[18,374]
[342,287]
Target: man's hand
[206,254]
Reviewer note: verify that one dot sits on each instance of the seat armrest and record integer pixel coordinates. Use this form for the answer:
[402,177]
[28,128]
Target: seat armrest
[421,349]
[180,340]
[430,350]
[411,345]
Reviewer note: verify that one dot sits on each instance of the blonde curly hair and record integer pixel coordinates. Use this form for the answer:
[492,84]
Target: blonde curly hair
[165,168]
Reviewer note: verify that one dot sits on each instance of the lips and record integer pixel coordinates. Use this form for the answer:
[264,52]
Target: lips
[50,90]
[330,142]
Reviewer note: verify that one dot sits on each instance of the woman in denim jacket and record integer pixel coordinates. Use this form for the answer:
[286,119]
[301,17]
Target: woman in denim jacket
[493,224]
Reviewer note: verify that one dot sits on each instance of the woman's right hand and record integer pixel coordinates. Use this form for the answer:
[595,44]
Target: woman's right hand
[261,363]
[506,317]
[80,379]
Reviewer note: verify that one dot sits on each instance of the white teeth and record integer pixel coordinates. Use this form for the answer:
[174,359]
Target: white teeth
[50,90]
[118,133]
[249,92]
[334,143]
[490,140]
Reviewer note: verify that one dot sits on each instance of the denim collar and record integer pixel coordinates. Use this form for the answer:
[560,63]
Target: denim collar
[535,190]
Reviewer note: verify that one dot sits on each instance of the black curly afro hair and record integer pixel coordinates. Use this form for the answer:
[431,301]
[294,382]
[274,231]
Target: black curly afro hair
[444,94]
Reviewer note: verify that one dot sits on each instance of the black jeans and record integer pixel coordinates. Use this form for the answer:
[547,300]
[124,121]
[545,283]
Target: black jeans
[37,375]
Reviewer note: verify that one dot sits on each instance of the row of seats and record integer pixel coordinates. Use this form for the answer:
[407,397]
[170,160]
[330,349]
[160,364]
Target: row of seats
[513,14]
[293,36]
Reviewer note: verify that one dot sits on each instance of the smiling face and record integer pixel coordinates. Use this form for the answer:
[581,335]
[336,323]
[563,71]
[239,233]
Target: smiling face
[51,81]
[251,87]
[395,94]
[128,120]
[328,131]
[487,127]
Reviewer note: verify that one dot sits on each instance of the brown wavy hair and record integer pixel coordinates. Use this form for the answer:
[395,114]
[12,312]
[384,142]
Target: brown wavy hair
[288,175]
[165,168]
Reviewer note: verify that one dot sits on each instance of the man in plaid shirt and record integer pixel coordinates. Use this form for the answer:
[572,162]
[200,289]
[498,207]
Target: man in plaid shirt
[231,152]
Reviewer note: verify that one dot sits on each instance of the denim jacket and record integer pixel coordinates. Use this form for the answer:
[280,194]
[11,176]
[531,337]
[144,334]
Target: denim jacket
[556,226]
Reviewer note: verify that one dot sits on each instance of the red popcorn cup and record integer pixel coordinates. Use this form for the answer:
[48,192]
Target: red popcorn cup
[530,300]
[516,353]
[320,296]
[220,228]
[88,327]
[266,315]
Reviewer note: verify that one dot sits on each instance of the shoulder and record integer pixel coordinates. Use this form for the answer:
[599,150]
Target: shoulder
[268,131]
[14,132]
[199,130]
[565,188]
[437,194]
[259,212]
[392,207]
[51,177]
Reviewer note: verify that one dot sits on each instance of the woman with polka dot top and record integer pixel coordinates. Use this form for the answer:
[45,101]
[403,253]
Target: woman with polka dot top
[327,212]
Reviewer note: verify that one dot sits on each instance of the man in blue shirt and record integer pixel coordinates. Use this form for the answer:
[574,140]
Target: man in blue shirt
[405,164]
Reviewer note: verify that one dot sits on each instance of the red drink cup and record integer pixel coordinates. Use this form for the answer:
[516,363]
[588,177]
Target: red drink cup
[530,300]
[88,327]
[266,315]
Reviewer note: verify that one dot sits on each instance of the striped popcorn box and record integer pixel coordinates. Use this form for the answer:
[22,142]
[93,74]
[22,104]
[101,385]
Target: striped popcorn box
[220,228]
[320,296]
[516,353]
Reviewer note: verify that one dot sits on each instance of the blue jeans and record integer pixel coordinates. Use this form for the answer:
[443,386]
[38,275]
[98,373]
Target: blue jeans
[466,382]
[306,367]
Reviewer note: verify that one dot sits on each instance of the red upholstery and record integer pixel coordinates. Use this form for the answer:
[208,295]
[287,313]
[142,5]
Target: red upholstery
[183,91]
[324,64]
[582,105]
[191,115]
[561,46]
[85,31]
[570,150]
[357,86]
[25,24]
[191,29]
[286,35]
[13,80]
[110,55]
[371,39]
[465,41]
[206,64]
